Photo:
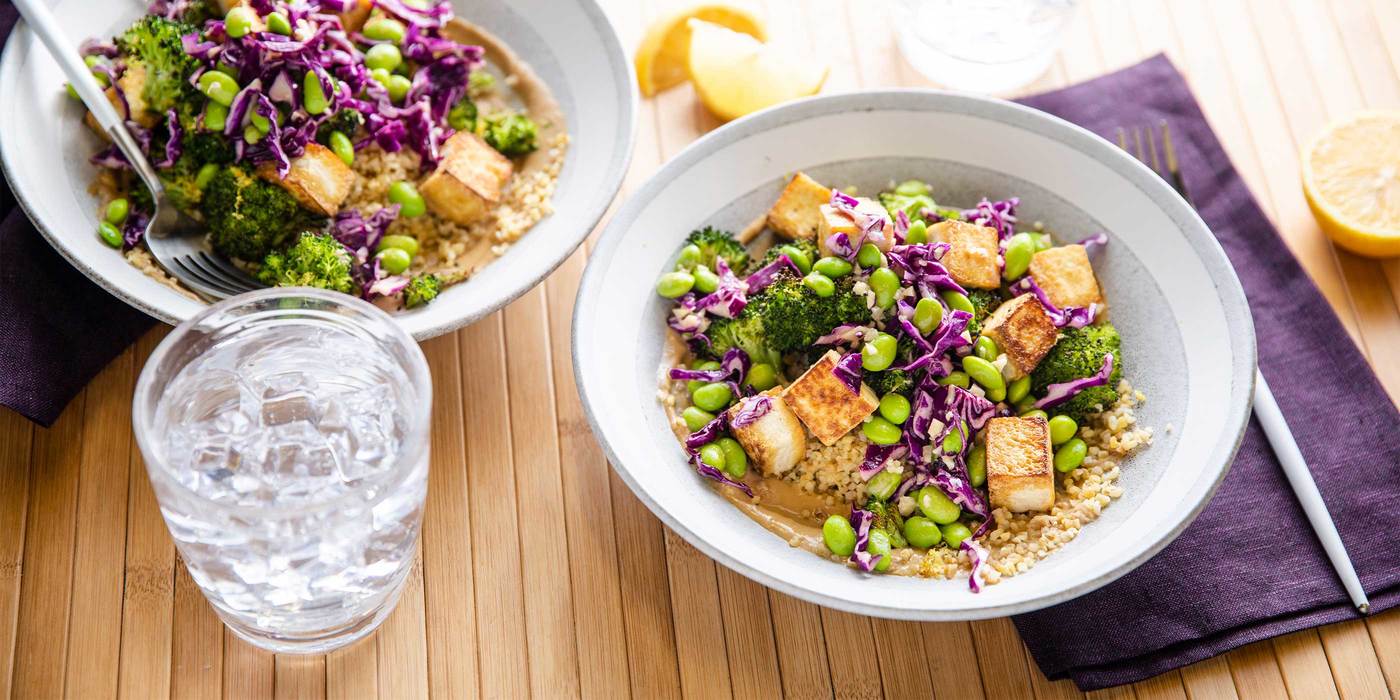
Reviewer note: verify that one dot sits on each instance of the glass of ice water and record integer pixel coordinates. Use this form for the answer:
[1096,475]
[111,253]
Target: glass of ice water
[285,432]
[986,46]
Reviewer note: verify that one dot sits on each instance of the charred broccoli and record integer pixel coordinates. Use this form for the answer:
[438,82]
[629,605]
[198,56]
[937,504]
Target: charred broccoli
[207,147]
[715,243]
[181,183]
[1079,353]
[421,290]
[807,247]
[249,217]
[511,134]
[315,260]
[154,43]
[984,302]
[786,316]
[887,518]
[911,196]
[890,381]
[346,121]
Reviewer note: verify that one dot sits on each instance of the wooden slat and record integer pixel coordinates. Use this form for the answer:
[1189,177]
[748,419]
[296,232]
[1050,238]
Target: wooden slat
[952,655]
[1304,665]
[1046,689]
[249,672]
[1353,660]
[403,643]
[801,647]
[748,636]
[1255,671]
[700,645]
[849,639]
[646,598]
[353,672]
[197,643]
[1209,679]
[1385,636]
[1005,672]
[16,439]
[1166,686]
[903,661]
[300,677]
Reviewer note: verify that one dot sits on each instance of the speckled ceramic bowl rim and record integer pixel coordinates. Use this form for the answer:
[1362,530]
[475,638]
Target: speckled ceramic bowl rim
[1192,228]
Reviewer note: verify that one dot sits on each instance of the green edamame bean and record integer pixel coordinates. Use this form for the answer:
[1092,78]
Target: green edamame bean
[252,135]
[713,397]
[820,284]
[405,195]
[869,256]
[226,69]
[110,234]
[1070,455]
[205,175]
[832,267]
[705,280]
[879,546]
[894,408]
[394,260]
[882,486]
[957,301]
[797,257]
[953,441]
[918,233]
[408,244]
[1062,428]
[1018,390]
[1035,413]
[260,122]
[885,284]
[955,533]
[986,348]
[93,62]
[736,461]
[936,506]
[277,23]
[1042,241]
[675,284]
[342,147]
[218,87]
[922,532]
[927,315]
[399,86]
[313,96]
[386,56]
[878,354]
[762,377]
[381,76]
[977,465]
[713,455]
[956,378]
[987,376]
[706,365]
[880,431]
[688,258]
[696,418]
[117,210]
[240,21]
[839,536]
[384,29]
[215,116]
[72,91]
[1017,256]
[1025,403]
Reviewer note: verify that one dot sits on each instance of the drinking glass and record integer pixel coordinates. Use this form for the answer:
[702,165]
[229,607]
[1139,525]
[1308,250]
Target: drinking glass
[285,432]
[986,46]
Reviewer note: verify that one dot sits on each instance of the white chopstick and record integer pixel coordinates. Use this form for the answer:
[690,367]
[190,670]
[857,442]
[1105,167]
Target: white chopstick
[1301,479]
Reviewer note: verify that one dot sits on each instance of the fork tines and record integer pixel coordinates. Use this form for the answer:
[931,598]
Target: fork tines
[1144,148]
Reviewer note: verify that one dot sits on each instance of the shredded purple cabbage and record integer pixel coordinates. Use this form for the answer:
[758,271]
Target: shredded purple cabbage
[920,266]
[871,227]
[849,371]
[709,433]
[1093,243]
[730,298]
[861,520]
[877,456]
[847,333]
[751,409]
[948,336]
[1000,215]
[767,274]
[977,554]
[1056,394]
[710,472]
[1068,317]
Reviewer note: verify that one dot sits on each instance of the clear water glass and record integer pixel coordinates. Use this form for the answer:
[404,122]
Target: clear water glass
[986,46]
[285,432]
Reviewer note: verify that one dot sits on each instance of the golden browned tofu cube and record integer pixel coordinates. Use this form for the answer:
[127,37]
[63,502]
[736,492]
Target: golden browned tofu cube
[1020,476]
[972,254]
[1066,276]
[795,214]
[833,221]
[825,405]
[776,441]
[468,182]
[1023,331]
[319,179]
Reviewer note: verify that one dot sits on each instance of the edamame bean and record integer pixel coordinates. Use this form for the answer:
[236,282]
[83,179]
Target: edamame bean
[313,96]
[251,134]
[342,147]
[218,87]
[713,455]
[399,86]
[675,284]
[986,348]
[381,76]
[882,486]
[215,116]
[953,441]
[696,418]
[384,29]
[1025,403]
[832,267]
[927,315]
[386,56]
[117,210]
[977,465]
[93,62]
[239,21]
[957,301]
[277,23]
[839,536]
[797,257]
[260,122]
[1017,256]
[870,257]
[394,260]
[1042,241]
[705,280]
[713,397]
[820,284]
[956,378]
[880,431]
[688,258]
[1070,455]
[918,233]
[736,461]
[226,69]
[1018,390]
[110,234]
[878,354]
[894,408]
[885,283]
[72,91]
[987,376]
[205,175]
[1035,413]
[922,532]
[935,506]
[762,377]
[408,244]
[707,365]
[1062,428]
[879,546]
[955,533]
[405,195]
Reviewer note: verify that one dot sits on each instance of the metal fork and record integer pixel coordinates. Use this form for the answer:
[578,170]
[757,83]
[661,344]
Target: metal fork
[1265,407]
[176,240]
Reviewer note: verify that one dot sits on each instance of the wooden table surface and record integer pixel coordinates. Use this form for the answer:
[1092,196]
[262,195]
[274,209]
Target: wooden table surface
[542,574]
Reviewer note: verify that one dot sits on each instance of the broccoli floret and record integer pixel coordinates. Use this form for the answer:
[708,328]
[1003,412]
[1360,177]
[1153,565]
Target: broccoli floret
[155,43]
[715,243]
[207,147]
[421,290]
[984,302]
[180,185]
[786,316]
[887,518]
[911,196]
[1079,353]
[249,217]
[480,82]
[890,381]
[807,247]
[346,121]
[315,260]
[511,134]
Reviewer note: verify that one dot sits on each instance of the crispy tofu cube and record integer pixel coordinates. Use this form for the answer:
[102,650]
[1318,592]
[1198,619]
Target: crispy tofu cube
[469,180]
[972,254]
[1020,476]
[1023,331]
[825,405]
[795,214]
[1066,276]
[319,179]
[833,221]
[777,440]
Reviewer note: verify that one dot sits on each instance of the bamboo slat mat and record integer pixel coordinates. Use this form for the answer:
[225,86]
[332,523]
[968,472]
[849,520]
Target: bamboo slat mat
[542,575]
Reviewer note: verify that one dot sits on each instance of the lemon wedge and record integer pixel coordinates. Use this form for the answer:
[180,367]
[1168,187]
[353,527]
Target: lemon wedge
[662,57]
[735,74]
[1351,177]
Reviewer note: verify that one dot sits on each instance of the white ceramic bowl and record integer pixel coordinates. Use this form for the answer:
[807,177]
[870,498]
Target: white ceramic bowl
[1188,338]
[571,45]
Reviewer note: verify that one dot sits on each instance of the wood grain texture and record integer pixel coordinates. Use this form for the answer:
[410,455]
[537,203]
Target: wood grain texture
[540,574]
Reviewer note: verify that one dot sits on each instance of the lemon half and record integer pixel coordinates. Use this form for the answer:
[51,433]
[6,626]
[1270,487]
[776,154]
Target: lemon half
[1351,177]
[735,74]
[663,55]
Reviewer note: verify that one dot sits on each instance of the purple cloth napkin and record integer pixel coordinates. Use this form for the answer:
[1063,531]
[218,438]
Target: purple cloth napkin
[57,328]
[1249,567]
